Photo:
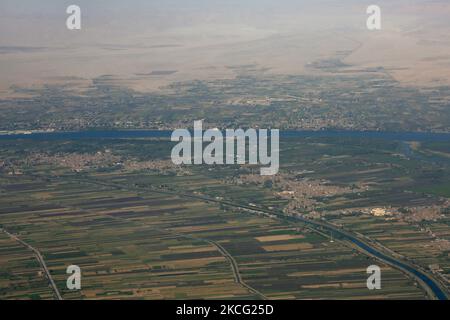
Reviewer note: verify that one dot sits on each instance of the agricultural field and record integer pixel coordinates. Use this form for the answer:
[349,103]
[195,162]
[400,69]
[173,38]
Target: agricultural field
[142,245]
[141,229]
[21,276]
[348,199]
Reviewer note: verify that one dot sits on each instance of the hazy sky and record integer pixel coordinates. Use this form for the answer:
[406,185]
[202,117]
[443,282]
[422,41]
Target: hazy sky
[40,22]
[135,36]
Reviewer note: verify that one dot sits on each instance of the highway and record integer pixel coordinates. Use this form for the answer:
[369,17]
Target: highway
[433,287]
[235,267]
[41,261]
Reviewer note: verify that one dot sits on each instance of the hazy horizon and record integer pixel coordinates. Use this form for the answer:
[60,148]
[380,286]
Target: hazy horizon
[199,39]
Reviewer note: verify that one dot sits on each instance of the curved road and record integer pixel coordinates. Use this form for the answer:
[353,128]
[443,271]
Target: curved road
[235,267]
[40,260]
[431,285]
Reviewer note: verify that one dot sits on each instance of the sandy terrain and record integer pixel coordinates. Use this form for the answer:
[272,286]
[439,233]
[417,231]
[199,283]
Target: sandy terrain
[161,45]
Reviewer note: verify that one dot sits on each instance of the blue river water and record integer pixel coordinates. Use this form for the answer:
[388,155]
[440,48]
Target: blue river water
[343,235]
[391,136]
[117,134]
[433,286]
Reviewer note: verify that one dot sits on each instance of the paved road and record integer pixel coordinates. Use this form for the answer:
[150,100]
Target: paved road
[432,286]
[235,267]
[40,260]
